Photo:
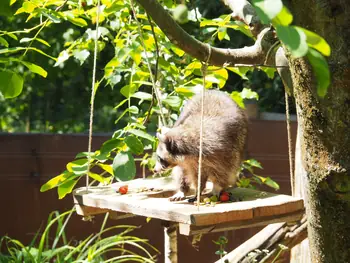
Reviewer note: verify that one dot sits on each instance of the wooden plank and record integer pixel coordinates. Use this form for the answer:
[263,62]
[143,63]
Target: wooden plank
[91,211]
[185,229]
[155,204]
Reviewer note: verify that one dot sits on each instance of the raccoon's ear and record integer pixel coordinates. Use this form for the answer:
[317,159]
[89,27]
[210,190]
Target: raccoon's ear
[172,146]
[161,137]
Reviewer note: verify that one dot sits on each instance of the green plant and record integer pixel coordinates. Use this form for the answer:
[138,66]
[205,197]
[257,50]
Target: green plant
[106,245]
[221,242]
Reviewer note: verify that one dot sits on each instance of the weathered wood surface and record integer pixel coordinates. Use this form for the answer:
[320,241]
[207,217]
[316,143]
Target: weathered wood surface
[255,205]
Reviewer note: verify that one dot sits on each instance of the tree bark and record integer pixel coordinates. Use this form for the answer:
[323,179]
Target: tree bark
[325,141]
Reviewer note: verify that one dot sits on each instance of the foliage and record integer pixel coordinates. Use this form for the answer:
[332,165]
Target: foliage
[95,248]
[221,242]
[142,57]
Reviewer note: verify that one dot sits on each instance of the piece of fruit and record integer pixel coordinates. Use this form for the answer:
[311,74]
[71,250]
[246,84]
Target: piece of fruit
[224,198]
[206,200]
[123,189]
[214,198]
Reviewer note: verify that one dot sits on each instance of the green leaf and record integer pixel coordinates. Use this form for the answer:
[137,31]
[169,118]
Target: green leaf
[4,42]
[254,163]
[141,134]
[321,71]
[109,146]
[5,9]
[173,101]
[222,31]
[267,9]
[241,71]
[107,167]
[219,77]
[315,41]
[124,167]
[294,39]
[77,21]
[134,144]
[11,84]
[142,96]
[16,49]
[78,167]
[284,18]
[269,182]
[81,55]
[134,110]
[35,68]
[128,90]
[55,181]
[27,39]
[99,178]
[236,96]
[66,188]
[249,94]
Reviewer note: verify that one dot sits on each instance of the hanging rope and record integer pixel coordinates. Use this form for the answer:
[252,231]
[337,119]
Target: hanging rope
[92,95]
[154,84]
[292,179]
[204,73]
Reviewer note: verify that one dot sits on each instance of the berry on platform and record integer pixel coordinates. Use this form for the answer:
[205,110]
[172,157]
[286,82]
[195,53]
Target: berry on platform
[224,198]
[123,189]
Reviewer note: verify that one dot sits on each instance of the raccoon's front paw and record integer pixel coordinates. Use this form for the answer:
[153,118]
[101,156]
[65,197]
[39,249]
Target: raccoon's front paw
[178,196]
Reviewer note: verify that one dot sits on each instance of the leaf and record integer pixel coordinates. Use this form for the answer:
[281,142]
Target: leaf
[77,21]
[218,76]
[173,101]
[78,167]
[241,71]
[35,68]
[62,57]
[249,94]
[109,146]
[11,84]
[321,71]
[66,188]
[134,110]
[141,134]
[81,55]
[236,96]
[134,144]
[284,18]
[142,95]
[16,49]
[107,167]
[268,181]
[4,42]
[98,177]
[222,31]
[254,163]
[315,41]
[55,181]
[124,167]
[267,9]
[294,39]
[128,90]
[27,39]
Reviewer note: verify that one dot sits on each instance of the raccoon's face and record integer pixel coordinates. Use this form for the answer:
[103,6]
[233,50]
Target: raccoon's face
[165,160]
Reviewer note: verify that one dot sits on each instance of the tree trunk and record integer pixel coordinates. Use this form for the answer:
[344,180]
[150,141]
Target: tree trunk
[325,141]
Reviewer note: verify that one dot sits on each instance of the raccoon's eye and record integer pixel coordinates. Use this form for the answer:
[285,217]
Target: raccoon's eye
[163,162]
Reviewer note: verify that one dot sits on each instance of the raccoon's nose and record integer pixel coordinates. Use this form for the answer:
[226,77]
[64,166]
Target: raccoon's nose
[157,168]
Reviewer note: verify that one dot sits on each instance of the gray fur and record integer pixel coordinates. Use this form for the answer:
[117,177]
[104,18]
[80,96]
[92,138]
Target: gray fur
[224,138]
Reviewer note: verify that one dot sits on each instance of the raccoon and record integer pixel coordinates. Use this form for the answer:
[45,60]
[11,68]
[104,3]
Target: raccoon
[224,139]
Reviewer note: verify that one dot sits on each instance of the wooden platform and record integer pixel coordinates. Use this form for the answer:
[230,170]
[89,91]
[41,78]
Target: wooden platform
[256,208]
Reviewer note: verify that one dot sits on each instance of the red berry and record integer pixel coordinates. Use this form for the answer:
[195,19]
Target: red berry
[123,189]
[225,193]
[224,198]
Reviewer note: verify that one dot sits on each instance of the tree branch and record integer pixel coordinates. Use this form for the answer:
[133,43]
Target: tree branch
[270,239]
[219,56]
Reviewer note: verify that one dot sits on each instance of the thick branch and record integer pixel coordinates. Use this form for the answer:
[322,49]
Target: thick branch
[248,55]
[269,239]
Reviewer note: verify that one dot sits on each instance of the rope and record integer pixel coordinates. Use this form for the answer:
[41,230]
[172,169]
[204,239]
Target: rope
[204,72]
[92,95]
[292,179]
[154,85]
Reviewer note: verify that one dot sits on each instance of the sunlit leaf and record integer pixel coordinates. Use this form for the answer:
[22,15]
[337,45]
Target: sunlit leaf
[11,84]
[267,9]
[294,39]
[27,39]
[173,101]
[241,71]
[141,134]
[222,31]
[35,68]
[78,167]
[66,187]
[4,42]
[249,94]
[124,167]
[128,90]
[315,41]
[236,96]
[321,71]
[107,167]
[284,18]
[81,55]
[268,181]
[55,181]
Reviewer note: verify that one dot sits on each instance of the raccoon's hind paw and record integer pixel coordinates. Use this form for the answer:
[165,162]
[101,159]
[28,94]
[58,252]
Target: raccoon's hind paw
[179,196]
